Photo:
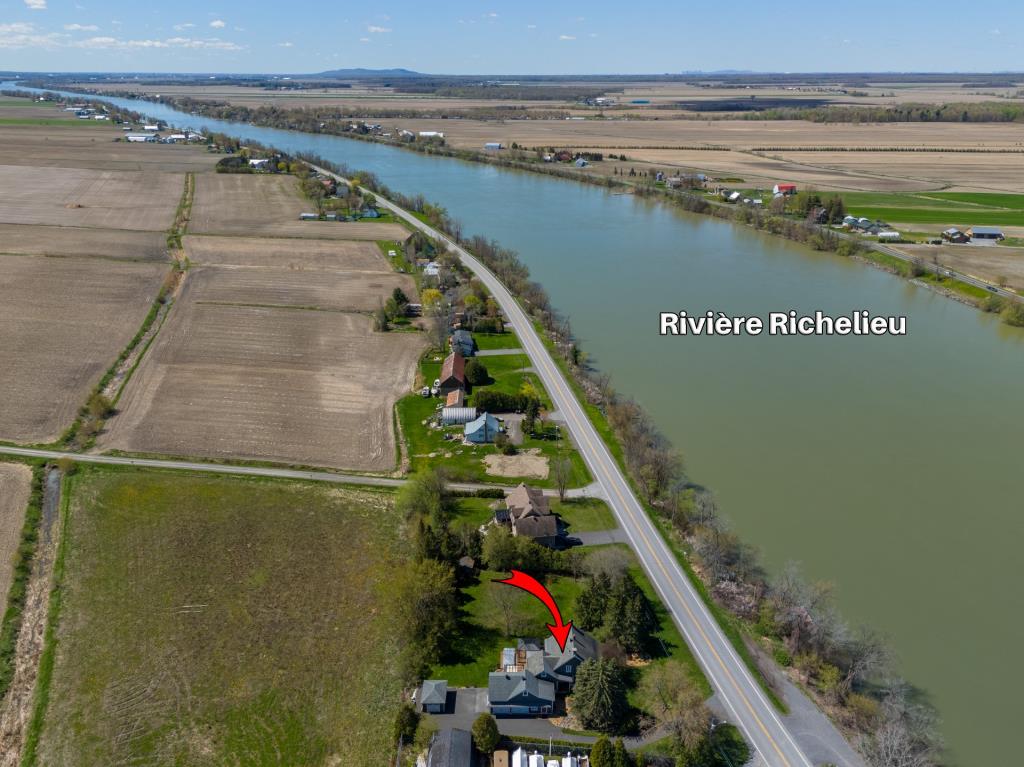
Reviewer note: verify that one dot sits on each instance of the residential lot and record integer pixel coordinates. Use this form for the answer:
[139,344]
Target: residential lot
[138,200]
[246,204]
[63,321]
[77,241]
[213,620]
[15,483]
[280,384]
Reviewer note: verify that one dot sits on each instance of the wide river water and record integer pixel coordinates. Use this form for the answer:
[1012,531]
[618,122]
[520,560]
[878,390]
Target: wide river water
[887,466]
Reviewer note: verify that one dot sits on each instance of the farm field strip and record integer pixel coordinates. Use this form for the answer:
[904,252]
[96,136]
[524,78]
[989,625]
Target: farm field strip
[63,321]
[137,200]
[74,241]
[15,484]
[305,255]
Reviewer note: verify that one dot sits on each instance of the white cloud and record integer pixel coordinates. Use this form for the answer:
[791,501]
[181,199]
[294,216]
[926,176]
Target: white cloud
[567,37]
[183,27]
[364,39]
[492,15]
[378,30]
[114,43]
[36,5]
[81,27]
[285,44]
[592,34]
[20,35]
[531,26]
[217,24]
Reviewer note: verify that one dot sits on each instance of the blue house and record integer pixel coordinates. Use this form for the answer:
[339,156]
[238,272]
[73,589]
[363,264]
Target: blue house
[483,430]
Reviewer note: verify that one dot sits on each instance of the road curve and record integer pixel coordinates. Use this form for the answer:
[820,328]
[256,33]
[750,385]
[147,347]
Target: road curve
[740,693]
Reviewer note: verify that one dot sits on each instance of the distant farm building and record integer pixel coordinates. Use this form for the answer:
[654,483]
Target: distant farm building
[141,137]
[784,189]
[955,236]
[984,235]
[453,416]
[493,146]
[462,342]
[431,134]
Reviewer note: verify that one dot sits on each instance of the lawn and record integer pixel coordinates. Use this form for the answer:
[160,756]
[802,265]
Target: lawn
[961,209]
[585,515]
[428,447]
[506,340]
[212,620]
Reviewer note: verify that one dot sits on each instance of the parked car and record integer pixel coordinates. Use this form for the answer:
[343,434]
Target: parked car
[425,391]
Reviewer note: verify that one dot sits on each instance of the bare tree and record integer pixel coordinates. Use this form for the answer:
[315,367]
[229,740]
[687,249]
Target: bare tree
[562,469]
[509,602]
[612,562]
[867,655]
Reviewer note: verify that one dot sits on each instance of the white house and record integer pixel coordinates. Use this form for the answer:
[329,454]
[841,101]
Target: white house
[431,134]
[258,163]
[140,137]
[151,127]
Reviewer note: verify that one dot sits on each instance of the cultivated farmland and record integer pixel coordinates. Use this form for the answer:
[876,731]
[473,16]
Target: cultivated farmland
[307,255]
[247,204]
[15,483]
[73,241]
[89,198]
[63,321]
[222,621]
[280,384]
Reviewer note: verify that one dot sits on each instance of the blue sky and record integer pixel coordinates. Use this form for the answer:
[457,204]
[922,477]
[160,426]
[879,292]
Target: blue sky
[524,37]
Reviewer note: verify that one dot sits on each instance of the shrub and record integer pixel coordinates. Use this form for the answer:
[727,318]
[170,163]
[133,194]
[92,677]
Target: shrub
[476,373]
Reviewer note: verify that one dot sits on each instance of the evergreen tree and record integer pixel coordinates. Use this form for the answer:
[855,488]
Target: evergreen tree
[620,756]
[599,695]
[602,754]
[630,619]
[592,603]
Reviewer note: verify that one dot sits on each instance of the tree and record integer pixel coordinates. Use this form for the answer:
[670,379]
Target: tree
[485,733]
[677,704]
[476,373]
[400,298]
[602,754]
[561,467]
[380,319]
[630,619]
[510,603]
[599,695]
[499,549]
[431,298]
[405,722]
[427,595]
[620,756]
[592,602]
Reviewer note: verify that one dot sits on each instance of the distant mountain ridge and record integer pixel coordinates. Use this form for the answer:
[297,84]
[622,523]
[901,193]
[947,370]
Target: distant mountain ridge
[360,72]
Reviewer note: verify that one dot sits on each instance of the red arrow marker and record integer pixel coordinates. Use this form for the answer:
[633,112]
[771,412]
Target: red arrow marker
[532,586]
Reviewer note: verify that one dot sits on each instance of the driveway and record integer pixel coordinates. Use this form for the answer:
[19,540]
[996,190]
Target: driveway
[600,537]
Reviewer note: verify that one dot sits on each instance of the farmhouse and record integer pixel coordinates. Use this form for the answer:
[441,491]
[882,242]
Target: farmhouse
[984,235]
[784,189]
[453,374]
[482,430]
[954,235]
[462,342]
[527,514]
[578,648]
[434,696]
[519,694]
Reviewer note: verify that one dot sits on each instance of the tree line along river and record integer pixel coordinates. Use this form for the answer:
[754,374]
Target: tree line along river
[888,465]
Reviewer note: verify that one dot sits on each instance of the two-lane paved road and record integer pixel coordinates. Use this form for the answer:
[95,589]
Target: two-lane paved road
[739,692]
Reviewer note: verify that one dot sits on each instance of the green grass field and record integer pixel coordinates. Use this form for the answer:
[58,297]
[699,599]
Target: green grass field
[584,515]
[212,620]
[961,209]
[506,340]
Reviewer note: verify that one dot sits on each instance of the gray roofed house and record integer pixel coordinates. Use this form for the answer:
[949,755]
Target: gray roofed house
[452,748]
[542,530]
[543,667]
[434,695]
[578,647]
[519,694]
[462,340]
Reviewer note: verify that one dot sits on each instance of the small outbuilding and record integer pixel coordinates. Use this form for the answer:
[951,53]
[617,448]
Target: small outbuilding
[784,189]
[462,342]
[483,430]
[451,416]
[434,696]
[493,146]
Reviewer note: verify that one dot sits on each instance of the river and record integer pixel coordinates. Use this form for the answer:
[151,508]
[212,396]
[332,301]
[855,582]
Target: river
[887,466]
